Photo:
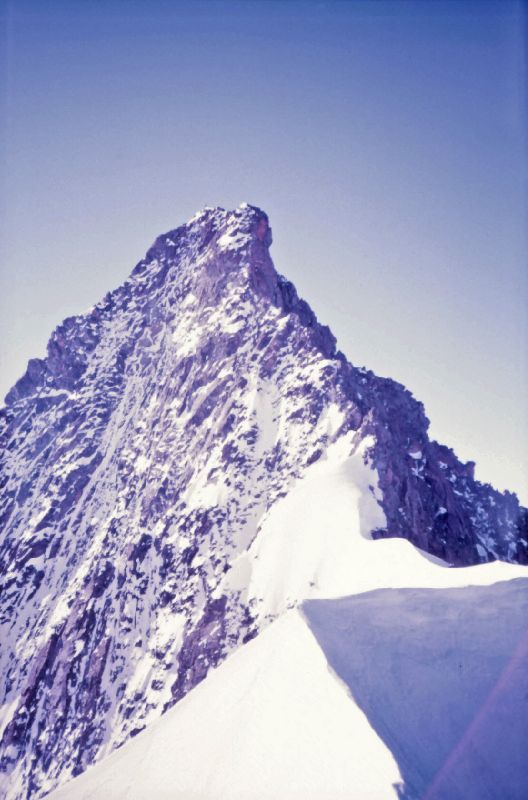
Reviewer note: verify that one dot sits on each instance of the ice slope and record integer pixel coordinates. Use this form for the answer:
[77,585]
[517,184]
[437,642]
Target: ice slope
[434,709]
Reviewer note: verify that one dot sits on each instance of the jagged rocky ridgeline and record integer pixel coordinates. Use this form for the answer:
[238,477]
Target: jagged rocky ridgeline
[143,458]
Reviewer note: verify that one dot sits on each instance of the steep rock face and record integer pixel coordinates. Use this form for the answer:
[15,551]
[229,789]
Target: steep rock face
[143,456]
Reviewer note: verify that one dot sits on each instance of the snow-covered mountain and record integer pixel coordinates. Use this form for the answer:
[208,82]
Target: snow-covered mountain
[191,460]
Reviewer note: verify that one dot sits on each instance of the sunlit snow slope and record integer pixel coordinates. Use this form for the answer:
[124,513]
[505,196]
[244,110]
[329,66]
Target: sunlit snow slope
[271,722]
[192,459]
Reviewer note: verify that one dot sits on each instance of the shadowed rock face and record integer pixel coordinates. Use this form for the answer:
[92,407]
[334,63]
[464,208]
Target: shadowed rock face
[138,461]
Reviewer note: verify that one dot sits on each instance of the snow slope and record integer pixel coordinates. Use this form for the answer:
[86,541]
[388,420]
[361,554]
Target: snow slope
[271,722]
[443,678]
[433,711]
[316,542]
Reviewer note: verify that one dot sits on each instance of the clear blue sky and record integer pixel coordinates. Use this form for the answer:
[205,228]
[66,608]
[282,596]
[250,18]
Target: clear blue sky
[386,140]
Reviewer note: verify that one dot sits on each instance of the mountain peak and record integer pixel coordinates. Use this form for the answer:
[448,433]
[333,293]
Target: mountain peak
[246,220]
[223,241]
[191,459]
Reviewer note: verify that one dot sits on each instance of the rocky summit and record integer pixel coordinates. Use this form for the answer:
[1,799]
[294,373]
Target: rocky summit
[148,462]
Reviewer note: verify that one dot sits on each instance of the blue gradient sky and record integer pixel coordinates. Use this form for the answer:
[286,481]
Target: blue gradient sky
[386,140]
